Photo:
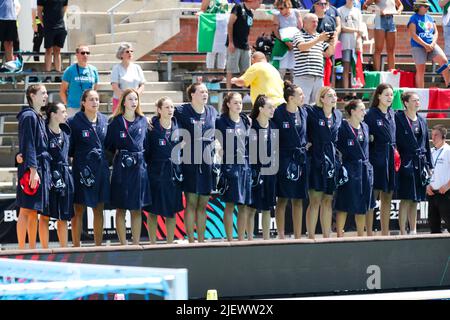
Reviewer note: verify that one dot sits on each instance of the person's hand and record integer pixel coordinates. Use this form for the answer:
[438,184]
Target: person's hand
[289,45]
[429,190]
[34,178]
[432,45]
[443,189]
[231,48]
[233,80]
[19,158]
[199,12]
[428,48]
[324,36]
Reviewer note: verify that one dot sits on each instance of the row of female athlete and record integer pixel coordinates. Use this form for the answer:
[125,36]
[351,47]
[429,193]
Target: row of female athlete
[319,155]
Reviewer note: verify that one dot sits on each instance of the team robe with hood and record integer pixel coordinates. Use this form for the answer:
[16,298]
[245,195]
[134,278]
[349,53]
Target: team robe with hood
[381,149]
[292,128]
[323,133]
[33,145]
[414,148]
[356,195]
[61,201]
[130,188]
[235,162]
[88,151]
[167,198]
[198,151]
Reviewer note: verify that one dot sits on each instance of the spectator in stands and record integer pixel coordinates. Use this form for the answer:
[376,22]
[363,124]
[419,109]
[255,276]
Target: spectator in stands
[383,154]
[51,13]
[16,42]
[424,35]
[164,171]
[356,196]
[445,4]
[287,17]
[385,30]
[234,126]
[216,60]
[238,54]
[324,121]
[197,117]
[264,184]
[309,49]
[38,35]
[90,167]
[126,74]
[438,190]
[262,78]
[34,171]
[292,179]
[77,78]
[8,27]
[414,147]
[62,188]
[125,139]
[330,11]
[350,37]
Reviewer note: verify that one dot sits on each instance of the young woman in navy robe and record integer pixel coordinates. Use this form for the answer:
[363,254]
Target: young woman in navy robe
[414,148]
[167,197]
[197,119]
[356,196]
[263,141]
[292,179]
[33,147]
[382,147]
[62,187]
[90,166]
[324,121]
[234,127]
[130,188]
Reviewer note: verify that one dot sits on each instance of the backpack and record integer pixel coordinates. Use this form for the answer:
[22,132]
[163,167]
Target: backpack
[264,43]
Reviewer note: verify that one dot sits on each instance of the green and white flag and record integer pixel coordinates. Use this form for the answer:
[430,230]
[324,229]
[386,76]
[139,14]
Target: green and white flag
[212,32]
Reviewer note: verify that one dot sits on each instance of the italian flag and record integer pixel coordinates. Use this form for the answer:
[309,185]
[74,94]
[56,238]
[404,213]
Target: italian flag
[430,99]
[212,32]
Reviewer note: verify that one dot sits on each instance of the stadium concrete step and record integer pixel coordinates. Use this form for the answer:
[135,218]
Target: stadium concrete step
[151,76]
[132,26]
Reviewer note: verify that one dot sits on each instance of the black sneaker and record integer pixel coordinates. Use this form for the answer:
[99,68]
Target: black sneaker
[57,79]
[47,80]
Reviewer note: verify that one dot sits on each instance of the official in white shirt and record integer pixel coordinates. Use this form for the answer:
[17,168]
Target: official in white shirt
[438,189]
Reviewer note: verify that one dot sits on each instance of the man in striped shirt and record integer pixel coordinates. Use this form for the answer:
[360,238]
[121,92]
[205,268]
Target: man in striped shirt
[310,48]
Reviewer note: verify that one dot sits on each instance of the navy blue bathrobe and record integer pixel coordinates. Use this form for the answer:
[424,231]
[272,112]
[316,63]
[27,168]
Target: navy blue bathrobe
[416,156]
[33,145]
[130,188]
[88,150]
[356,195]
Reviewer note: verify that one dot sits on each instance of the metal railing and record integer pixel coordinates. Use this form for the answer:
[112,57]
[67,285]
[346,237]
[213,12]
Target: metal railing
[111,11]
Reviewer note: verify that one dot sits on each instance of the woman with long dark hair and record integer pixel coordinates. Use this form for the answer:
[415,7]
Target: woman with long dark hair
[34,171]
[263,140]
[235,128]
[164,170]
[382,153]
[90,166]
[62,187]
[292,179]
[130,188]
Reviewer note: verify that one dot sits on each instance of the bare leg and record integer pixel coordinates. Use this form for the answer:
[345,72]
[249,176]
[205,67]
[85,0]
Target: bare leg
[360,221]
[77,224]
[297,217]
[57,58]
[412,218]
[403,215]
[420,74]
[189,215]
[48,59]
[340,223]
[441,60]
[27,224]
[250,222]
[280,211]
[391,39]
[120,226]
[136,226]
[201,217]
[152,223]
[315,199]
[326,215]
[385,212]
[266,224]
[241,222]
[369,223]
[21,228]
[228,220]
[43,230]
[9,50]
[379,36]
[61,226]
[170,229]
[98,224]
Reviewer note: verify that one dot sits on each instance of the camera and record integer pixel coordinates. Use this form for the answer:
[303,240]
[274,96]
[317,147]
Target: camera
[128,161]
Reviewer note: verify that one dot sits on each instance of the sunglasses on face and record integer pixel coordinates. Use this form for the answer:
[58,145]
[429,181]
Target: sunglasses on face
[322,4]
[85,53]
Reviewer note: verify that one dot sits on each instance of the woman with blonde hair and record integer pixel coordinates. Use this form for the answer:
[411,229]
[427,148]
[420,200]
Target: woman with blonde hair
[130,189]
[324,120]
[126,74]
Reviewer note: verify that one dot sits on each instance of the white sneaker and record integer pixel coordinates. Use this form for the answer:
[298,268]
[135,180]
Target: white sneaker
[412,232]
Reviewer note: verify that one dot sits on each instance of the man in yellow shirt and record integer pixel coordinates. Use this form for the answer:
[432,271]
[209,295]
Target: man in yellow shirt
[262,78]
